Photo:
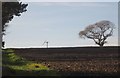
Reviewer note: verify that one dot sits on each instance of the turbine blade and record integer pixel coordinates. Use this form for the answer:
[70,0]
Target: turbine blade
[43,43]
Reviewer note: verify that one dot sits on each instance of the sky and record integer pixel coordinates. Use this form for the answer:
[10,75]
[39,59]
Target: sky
[61,0]
[59,23]
[69,0]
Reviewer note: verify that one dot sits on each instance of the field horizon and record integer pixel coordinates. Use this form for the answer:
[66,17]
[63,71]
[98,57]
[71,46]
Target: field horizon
[62,47]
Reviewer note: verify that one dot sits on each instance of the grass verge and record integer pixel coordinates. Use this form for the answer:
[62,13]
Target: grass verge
[13,65]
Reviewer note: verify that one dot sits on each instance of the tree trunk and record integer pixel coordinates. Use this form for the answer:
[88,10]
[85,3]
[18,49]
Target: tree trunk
[101,45]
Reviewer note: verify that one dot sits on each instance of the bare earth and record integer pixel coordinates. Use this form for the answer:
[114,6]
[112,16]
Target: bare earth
[76,61]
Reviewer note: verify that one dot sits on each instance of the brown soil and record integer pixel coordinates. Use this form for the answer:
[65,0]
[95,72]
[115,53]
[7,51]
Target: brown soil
[69,61]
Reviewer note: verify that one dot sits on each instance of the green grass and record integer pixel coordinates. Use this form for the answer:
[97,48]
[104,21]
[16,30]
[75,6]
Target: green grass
[14,65]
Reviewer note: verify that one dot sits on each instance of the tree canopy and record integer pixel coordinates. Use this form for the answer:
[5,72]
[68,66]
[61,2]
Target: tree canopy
[99,32]
[9,10]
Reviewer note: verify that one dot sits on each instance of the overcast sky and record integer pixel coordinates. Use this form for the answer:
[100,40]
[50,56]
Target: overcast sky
[59,23]
[68,0]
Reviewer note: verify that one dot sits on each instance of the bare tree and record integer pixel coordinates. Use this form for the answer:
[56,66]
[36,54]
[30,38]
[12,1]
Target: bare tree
[99,32]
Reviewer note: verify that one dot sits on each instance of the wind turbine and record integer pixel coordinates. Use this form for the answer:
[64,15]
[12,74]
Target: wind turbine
[45,42]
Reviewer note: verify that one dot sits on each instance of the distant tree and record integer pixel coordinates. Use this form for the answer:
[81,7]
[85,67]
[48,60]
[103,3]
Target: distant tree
[9,10]
[99,32]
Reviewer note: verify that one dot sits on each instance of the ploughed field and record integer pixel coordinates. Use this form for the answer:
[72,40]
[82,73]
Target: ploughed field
[75,61]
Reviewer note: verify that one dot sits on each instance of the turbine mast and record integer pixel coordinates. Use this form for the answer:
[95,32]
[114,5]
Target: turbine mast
[47,44]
